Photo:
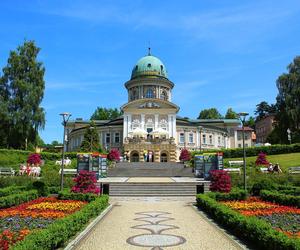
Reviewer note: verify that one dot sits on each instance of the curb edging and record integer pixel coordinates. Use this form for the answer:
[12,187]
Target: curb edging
[90,226]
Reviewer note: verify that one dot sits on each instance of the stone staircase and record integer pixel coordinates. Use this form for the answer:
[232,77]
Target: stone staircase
[150,169]
[152,189]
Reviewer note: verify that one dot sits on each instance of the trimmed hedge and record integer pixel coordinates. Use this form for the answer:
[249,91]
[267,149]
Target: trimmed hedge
[59,232]
[283,199]
[66,195]
[288,189]
[11,190]
[254,151]
[235,194]
[16,199]
[251,229]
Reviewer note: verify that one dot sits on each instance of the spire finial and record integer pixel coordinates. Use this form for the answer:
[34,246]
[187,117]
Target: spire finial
[149,51]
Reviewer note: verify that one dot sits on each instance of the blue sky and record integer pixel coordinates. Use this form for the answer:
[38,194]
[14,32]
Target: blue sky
[218,53]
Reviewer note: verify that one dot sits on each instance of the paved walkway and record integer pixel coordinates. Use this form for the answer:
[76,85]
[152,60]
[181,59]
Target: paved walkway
[156,224]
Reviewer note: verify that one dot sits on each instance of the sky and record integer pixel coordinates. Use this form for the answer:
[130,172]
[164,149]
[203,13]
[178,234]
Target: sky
[218,53]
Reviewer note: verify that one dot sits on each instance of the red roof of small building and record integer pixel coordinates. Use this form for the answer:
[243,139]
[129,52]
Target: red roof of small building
[246,129]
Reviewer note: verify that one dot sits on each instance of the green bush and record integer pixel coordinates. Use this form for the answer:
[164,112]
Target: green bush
[288,189]
[58,233]
[250,229]
[235,194]
[283,199]
[6,181]
[66,195]
[16,199]
[41,188]
[254,151]
[262,184]
[11,190]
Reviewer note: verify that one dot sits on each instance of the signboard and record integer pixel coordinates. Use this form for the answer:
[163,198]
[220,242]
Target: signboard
[206,162]
[83,162]
[103,166]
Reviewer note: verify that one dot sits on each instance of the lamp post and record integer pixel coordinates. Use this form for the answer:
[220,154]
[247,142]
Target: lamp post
[65,117]
[289,135]
[242,117]
[200,137]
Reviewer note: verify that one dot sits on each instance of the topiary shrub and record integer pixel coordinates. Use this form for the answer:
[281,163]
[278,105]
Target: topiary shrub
[114,155]
[85,183]
[41,187]
[220,181]
[266,184]
[261,160]
[185,155]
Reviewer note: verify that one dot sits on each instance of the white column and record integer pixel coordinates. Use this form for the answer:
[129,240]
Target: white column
[128,124]
[125,126]
[197,139]
[142,121]
[156,121]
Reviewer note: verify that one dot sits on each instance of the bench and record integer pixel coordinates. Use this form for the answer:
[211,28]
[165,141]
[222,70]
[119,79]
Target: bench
[69,171]
[235,163]
[264,170]
[294,170]
[233,170]
[7,171]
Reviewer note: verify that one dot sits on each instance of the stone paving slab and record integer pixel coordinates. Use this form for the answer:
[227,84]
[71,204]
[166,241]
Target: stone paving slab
[146,223]
[150,179]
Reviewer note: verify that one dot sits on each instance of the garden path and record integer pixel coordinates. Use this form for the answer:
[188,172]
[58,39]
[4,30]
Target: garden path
[156,224]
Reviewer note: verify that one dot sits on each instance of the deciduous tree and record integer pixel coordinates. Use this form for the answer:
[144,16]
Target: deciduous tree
[211,113]
[105,114]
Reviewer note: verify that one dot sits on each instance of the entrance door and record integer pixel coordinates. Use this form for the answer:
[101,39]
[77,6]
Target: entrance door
[163,157]
[134,157]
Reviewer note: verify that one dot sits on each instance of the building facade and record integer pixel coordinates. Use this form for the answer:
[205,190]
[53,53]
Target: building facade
[150,129]
[264,127]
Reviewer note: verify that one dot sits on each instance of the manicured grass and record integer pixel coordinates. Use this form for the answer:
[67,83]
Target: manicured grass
[285,160]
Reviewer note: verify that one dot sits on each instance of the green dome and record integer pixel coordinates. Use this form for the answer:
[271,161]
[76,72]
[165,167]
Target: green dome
[149,66]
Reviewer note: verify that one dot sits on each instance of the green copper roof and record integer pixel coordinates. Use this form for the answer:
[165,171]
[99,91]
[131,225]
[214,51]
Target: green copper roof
[149,66]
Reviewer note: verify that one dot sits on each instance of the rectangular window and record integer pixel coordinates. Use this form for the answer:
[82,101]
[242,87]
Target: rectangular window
[210,139]
[107,138]
[117,137]
[219,140]
[246,137]
[191,138]
[240,145]
[246,145]
[181,137]
[204,139]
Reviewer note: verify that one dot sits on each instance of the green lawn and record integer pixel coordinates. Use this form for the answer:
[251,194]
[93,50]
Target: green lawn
[285,160]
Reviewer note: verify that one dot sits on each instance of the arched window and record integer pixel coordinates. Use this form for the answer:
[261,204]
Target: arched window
[150,93]
[164,95]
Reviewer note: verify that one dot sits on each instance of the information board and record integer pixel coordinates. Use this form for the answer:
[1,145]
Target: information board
[206,162]
[103,167]
[83,162]
[199,166]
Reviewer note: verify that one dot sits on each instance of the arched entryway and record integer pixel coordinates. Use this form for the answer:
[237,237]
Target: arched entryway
[164,156]
[134,156]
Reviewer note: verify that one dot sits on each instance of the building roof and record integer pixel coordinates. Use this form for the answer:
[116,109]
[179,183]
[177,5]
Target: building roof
[149,66]
[246,129]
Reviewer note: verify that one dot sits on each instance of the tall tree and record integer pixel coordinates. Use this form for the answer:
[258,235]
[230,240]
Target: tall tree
[262,109]
[230,114]
[288,102]
[106,113]
[90,141]
[22,89]
[250,122]
[211,113]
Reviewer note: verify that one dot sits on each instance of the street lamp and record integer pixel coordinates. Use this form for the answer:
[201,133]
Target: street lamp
[289,135]
[65,117]
[242,117]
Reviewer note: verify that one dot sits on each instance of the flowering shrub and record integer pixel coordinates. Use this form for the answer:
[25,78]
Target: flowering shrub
[220,181]
[261,159]
[114,155]
[34,159]
[185,155]
[85,183]
[17,222]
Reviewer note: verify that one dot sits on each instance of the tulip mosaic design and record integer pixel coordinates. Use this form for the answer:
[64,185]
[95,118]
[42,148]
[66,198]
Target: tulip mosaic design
[17,222]
[155,224]
[283,218]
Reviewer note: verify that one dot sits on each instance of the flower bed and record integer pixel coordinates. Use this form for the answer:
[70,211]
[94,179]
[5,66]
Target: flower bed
[16,222]
[282,218]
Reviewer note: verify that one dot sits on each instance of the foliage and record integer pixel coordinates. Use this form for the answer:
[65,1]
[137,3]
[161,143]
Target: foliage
[59,232]
[263,109]
[85,183]
[283,199]
[34,159]
[8,238]
[234,194]
[21,93]
[288,103]
[66,195]
[41,188]
[185,155]
[211,113]
[251,229]
[250,122]
[114,155]
[261,159]
[260,184]
[16,199]
[106,114]
[11,190]
[220,181]
[230,114]
[90,141]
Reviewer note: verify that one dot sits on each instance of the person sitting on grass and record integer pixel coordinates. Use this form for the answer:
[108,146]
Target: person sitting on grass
[270,168]
[277,168]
